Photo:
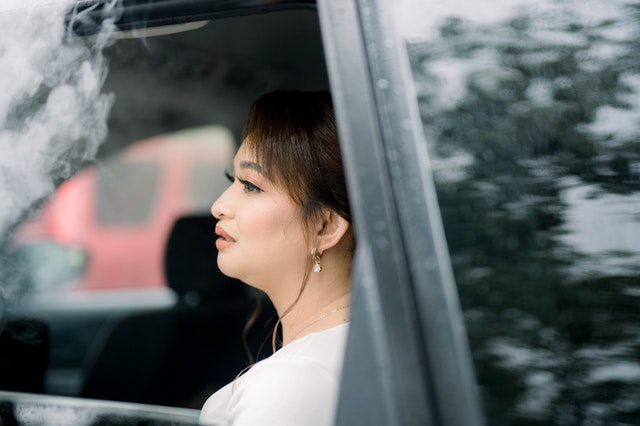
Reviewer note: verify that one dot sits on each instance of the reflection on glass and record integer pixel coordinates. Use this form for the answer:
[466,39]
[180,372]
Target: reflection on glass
[532,114]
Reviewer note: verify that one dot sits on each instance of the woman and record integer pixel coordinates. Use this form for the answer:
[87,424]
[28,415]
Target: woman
[284,227]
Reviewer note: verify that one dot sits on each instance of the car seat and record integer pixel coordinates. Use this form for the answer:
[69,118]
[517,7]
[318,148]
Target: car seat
[180,355]
[24,354]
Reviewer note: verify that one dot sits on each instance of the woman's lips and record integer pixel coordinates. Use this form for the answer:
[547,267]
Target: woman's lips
[224,241]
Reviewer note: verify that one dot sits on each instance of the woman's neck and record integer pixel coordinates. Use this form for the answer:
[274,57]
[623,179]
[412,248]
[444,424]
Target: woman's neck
[324,303]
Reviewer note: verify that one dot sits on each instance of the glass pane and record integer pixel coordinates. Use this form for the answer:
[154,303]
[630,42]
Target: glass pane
[531,112]
[126,192]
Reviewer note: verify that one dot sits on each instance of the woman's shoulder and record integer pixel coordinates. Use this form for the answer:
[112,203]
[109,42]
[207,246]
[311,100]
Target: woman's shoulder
[296,375]
[285,392]
[325,346]
[316,356]
[300,381]
[298,384]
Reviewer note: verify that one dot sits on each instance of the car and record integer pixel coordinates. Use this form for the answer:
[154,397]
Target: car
[113,243]
[493,165]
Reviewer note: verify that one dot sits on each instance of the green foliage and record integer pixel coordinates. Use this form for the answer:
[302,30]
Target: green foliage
[549,324]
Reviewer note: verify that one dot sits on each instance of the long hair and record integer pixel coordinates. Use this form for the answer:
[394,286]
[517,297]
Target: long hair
[294,138]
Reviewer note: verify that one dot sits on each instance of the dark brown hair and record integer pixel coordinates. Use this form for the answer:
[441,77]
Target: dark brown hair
[293,137]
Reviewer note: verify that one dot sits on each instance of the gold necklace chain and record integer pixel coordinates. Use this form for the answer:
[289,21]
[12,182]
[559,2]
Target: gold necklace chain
[320,318]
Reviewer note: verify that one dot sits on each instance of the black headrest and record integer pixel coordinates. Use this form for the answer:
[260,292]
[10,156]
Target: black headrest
[191,267]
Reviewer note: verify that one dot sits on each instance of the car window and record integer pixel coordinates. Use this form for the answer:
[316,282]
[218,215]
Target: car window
[119,213]
[106,147]
[531,115]
[126,192]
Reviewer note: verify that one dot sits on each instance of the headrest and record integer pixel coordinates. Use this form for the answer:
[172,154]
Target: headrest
[191,267]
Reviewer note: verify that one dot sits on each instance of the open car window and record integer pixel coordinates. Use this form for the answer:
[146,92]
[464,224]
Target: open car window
[93,190]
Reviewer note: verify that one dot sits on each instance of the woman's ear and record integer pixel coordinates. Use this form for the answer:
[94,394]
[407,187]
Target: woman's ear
[332,229]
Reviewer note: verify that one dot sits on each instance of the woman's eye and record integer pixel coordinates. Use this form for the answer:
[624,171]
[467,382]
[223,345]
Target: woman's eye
[248,186]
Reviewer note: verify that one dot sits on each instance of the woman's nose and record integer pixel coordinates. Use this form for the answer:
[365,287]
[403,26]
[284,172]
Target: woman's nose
[222,207]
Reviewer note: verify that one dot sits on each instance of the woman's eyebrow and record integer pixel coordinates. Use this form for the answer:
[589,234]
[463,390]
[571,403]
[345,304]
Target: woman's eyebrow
[251,165]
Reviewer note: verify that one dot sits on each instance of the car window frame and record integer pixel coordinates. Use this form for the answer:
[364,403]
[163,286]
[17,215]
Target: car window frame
[18,405]
[407,359]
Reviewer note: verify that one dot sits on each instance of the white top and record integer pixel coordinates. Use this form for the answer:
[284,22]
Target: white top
[297,385]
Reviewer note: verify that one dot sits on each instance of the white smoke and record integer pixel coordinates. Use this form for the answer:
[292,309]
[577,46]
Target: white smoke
[53,114]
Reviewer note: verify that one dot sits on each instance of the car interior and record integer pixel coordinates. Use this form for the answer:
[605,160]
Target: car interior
[124,347]
[180,355]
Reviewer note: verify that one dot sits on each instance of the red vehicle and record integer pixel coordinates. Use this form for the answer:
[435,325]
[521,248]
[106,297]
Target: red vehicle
[108,232]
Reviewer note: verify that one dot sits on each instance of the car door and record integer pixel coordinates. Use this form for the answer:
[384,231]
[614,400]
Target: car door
[530,120]
[407,360]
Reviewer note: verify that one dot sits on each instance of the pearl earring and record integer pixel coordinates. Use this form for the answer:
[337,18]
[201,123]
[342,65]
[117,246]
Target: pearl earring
[317,267]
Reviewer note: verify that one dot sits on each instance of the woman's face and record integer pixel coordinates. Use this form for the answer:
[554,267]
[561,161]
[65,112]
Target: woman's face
[261,239]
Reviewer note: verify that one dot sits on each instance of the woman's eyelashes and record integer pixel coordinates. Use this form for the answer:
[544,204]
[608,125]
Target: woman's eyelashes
[248,186]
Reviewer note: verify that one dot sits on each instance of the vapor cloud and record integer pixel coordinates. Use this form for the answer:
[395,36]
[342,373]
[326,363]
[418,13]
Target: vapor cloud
[53,114]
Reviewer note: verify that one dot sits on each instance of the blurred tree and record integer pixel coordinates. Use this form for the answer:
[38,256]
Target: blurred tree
[517,113]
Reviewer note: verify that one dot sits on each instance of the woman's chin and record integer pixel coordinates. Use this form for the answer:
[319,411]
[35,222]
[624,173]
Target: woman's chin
[227,268]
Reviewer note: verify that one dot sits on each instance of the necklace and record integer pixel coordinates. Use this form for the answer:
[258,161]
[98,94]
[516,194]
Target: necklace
[320,318]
